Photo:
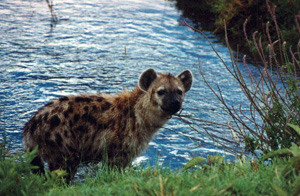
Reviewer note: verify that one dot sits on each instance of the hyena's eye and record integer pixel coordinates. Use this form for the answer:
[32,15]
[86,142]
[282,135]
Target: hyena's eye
[161,92]
[179,92]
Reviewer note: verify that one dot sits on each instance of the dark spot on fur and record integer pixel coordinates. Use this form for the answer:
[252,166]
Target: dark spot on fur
[63,98]
[81,129]
[94,108]
[71,149]
[82,99]
[58,139]
[66,133]
[47,135]
[89,118]
[57,110]
[132,125]
[105,106]
[102,126]
[50,143]
[46,116]
[67,112]
[54,122]
[86,108]
[70,123]
[100,99]
[132,114]
[119,106]
[76,117]
[125,112]
[33,126]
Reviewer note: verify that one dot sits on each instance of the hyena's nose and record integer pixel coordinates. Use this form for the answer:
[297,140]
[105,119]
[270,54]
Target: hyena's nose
[172,105]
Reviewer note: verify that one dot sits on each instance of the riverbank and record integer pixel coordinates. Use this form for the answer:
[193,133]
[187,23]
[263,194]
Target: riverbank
[272,20]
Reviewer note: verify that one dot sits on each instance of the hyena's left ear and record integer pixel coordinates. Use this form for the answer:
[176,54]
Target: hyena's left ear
[186,78]
[147,78]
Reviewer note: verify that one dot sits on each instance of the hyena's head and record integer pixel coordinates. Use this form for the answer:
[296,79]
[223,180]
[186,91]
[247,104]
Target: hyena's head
[166,92]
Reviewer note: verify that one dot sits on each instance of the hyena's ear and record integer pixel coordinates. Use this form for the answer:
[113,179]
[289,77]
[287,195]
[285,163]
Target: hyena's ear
[186,78]
[146,79]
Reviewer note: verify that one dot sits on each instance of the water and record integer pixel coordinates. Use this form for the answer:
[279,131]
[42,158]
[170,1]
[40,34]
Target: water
[103,46]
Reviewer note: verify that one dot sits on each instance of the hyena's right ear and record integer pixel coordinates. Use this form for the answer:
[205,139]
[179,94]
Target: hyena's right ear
[146,79]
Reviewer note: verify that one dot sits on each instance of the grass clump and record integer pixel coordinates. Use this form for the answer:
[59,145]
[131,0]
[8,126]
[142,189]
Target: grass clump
[16,177]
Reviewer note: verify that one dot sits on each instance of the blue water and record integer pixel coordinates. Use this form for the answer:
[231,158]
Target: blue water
[103,46]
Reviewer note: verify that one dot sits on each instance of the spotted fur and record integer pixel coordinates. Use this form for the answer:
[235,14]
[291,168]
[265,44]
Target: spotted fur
[109,128]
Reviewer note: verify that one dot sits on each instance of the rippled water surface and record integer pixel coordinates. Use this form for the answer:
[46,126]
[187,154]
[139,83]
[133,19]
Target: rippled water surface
[103,46]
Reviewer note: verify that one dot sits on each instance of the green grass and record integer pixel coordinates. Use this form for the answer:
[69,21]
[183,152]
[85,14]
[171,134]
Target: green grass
[240,178]
[216,177]
[224,179]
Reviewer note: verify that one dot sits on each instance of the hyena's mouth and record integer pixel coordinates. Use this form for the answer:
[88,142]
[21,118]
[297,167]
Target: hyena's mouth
[171,109]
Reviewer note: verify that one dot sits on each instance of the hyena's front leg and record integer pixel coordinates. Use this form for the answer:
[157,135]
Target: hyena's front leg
[37,161]
[70,166]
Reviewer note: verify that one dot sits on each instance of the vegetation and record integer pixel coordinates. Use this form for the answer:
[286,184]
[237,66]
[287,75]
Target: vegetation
[16,177]
[234,179]
[214,178]
[258,13]
[211,14]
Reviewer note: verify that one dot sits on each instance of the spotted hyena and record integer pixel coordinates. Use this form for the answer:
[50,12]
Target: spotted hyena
[102,127]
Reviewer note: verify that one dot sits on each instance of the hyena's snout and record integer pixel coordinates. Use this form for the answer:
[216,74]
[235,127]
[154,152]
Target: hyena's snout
[171,104]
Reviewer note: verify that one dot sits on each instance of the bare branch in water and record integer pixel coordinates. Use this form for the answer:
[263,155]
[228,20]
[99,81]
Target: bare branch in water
[54,18]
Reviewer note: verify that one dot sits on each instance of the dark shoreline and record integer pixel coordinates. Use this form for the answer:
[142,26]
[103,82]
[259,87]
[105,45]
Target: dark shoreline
[210,15]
